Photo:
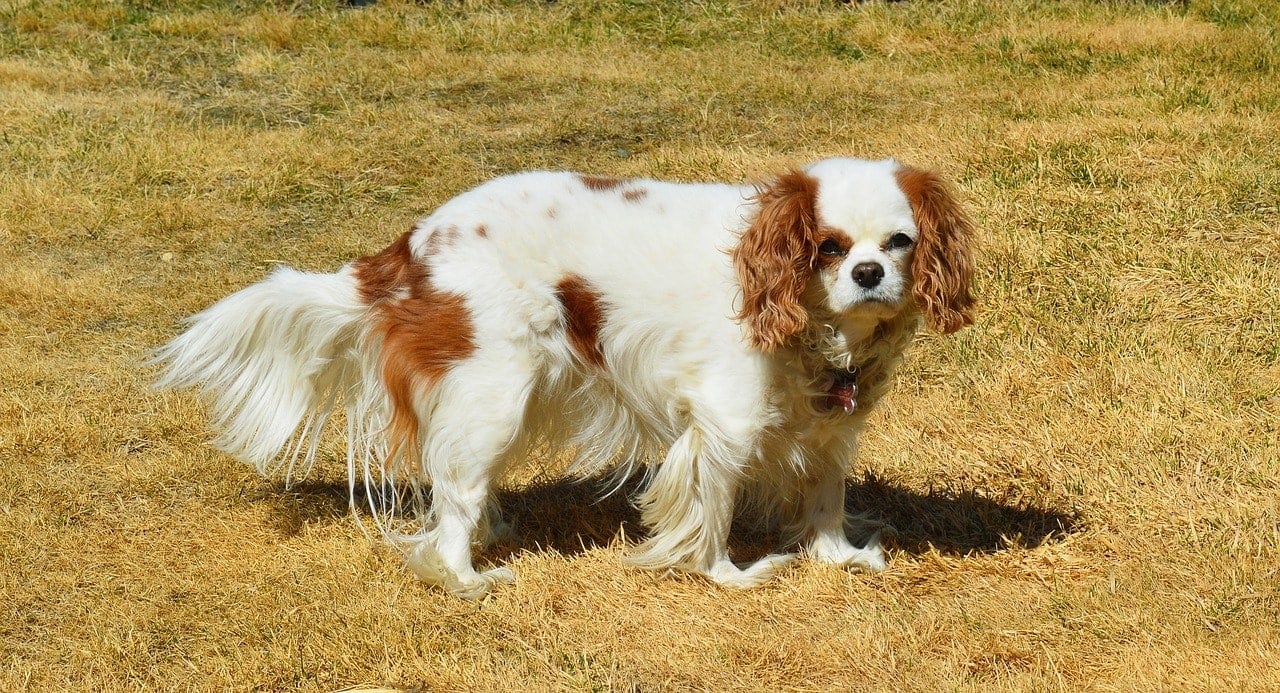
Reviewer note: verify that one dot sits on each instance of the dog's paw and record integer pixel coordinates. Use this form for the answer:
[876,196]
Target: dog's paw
[478,585]
[426,562]
[870,558]
[728,574]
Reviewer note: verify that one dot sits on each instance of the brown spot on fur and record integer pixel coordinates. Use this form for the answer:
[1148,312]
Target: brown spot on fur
[552,213]
[379,276]
[600,183]
[942,262]
[635,194]
[825,262]
[775,257]
[482,232]
[583,316]
[423,331]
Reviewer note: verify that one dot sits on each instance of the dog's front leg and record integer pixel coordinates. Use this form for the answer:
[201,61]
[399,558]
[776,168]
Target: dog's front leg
[688,505]
[826,522]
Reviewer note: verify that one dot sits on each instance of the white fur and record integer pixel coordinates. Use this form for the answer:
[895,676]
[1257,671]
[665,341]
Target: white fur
[268,357]
[683,394]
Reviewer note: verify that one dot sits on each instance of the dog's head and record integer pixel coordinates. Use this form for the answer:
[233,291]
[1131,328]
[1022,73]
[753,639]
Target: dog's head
[857,240]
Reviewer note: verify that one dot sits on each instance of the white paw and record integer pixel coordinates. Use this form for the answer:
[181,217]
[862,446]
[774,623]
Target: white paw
[478,585]
[426,562]
[499,576]
[728,574]
[870,558]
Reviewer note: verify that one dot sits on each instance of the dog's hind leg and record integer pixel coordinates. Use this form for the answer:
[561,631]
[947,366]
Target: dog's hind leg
[474,415]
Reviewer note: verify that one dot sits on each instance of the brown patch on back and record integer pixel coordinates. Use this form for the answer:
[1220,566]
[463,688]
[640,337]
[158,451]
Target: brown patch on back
[482,232]
[600,183]
[380,276]
[635,194]
[584,315]
[424,331]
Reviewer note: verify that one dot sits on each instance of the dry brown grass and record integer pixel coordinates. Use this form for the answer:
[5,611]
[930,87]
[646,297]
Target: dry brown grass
[1084,484]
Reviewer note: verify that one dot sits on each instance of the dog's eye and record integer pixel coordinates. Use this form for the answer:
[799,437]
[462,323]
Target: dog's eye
[831,248]
[899,240]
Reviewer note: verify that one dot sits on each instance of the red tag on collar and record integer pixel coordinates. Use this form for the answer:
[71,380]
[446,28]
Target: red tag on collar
[843,395]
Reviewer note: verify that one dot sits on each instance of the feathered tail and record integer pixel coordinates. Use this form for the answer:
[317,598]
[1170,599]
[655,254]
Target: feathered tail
[271,360]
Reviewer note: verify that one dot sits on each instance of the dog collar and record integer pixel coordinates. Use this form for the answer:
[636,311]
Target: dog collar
[842,393]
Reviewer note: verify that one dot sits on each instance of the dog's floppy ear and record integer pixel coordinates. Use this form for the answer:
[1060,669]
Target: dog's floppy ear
[942,267]
[774,259]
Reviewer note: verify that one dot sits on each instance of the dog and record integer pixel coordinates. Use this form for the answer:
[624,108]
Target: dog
[726,341]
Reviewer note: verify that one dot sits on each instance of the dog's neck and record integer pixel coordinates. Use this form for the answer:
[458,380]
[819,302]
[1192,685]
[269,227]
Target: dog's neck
[848,362]
[842,345]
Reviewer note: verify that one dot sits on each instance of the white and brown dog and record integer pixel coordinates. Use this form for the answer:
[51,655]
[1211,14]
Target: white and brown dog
[727,339]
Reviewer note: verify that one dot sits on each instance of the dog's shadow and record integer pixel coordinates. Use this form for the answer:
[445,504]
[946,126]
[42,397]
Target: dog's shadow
[571,516]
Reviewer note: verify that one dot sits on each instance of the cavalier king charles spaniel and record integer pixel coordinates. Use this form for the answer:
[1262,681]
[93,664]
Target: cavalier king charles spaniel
[727,340]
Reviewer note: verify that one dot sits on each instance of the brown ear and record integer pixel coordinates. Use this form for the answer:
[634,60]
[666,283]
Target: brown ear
[774,259]
[942,266]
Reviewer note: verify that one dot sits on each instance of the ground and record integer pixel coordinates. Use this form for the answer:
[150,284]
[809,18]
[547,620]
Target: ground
[1084,485]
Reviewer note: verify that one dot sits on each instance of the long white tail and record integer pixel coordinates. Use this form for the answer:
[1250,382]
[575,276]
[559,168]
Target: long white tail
[271,359]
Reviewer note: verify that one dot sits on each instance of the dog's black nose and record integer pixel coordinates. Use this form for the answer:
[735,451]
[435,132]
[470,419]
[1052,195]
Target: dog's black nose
[868,274]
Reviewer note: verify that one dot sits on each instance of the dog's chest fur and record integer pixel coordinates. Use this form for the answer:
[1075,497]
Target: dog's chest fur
[823,362]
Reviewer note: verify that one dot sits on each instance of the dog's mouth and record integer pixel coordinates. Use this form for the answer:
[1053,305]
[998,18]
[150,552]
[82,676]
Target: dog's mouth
[842,393]
[874,303]
[878,298]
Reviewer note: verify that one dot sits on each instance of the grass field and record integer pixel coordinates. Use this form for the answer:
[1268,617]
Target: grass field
[1085,486]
